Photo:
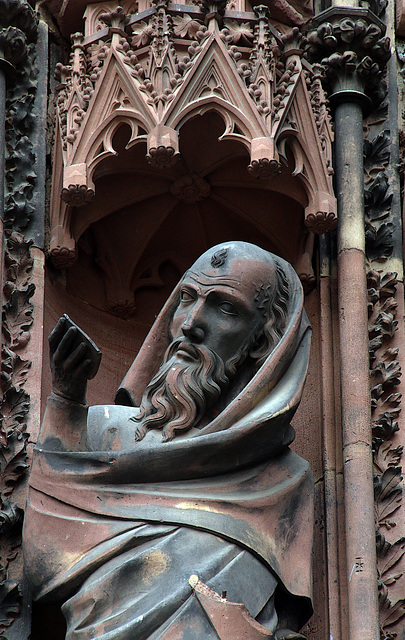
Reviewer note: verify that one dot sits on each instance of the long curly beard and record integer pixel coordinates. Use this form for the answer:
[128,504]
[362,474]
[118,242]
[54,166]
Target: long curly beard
[180,393]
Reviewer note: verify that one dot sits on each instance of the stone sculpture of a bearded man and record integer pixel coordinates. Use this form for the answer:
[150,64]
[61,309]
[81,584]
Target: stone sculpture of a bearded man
[186,488]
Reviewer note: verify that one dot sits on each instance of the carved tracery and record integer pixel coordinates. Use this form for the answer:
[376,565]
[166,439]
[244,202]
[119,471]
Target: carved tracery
[155,70]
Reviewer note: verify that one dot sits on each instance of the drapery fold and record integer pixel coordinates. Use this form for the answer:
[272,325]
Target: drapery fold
[235,478]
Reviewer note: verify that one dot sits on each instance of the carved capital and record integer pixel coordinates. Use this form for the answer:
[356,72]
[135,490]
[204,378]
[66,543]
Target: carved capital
[62,247]
[320,215]
[321,222]
[264,161]
[264,168]
[62,257]
[163,147]
[77,195]
[77,189]
[351,46]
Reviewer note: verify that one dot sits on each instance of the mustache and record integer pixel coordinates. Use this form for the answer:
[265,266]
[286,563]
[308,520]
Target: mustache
[195,350]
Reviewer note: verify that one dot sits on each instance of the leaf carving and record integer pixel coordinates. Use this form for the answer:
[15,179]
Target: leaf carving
[391,614]
[385,455]
[379,241]
[388,374]
[388,284]
[17,317]
[388,557]
[18,260]
[10,602]
[377,197]
[239,32]
[14,370]
[385,426]
[15,407]
[388,495]
[377,151]
[186,27]
[13,462]
[11,518]
[142,34]
[21,162]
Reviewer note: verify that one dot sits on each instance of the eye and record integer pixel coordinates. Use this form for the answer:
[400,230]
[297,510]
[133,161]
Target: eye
[228,308]
[186,296]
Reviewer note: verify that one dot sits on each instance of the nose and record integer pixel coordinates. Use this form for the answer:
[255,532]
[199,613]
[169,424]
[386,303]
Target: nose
[196,334]
[193,326]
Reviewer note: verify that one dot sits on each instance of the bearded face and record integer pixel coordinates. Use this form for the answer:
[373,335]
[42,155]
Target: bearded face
[218,323]
[188,383]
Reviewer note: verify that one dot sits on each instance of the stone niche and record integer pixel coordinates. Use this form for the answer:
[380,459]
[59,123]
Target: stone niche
[146,225]
[178,127]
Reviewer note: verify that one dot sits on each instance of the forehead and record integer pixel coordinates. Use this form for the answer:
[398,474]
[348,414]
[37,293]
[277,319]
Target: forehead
[228,288]
[238,275]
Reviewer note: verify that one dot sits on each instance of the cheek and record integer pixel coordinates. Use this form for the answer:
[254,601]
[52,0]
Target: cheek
[226,343]
[176,324]
[237,336]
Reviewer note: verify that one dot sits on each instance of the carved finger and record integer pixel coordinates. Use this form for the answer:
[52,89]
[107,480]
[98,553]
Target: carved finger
[57,334]
[84,369]
[76,357]
[65,346]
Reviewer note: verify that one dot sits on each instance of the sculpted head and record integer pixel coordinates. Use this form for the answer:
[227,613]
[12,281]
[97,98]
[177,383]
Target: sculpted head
[231,310]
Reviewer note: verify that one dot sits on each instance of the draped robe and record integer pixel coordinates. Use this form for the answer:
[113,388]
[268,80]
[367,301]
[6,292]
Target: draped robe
[128,523]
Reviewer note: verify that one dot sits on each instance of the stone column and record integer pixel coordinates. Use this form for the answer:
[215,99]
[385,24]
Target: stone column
[349,43]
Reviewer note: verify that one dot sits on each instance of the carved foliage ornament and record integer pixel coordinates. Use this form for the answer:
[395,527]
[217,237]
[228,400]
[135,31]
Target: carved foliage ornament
[19,30]
[355,46]
[385,375]
[17,49]
[385,370]
[353,50]
[377,197]
[15,404]
[18,34]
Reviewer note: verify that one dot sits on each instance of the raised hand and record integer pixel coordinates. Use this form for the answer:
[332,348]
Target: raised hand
[74,360]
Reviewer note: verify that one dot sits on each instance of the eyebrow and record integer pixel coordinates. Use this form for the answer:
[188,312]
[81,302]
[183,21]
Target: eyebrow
[236,298]
[226,281]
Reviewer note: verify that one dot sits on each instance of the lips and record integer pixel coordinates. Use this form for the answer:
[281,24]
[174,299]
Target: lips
[188,350]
